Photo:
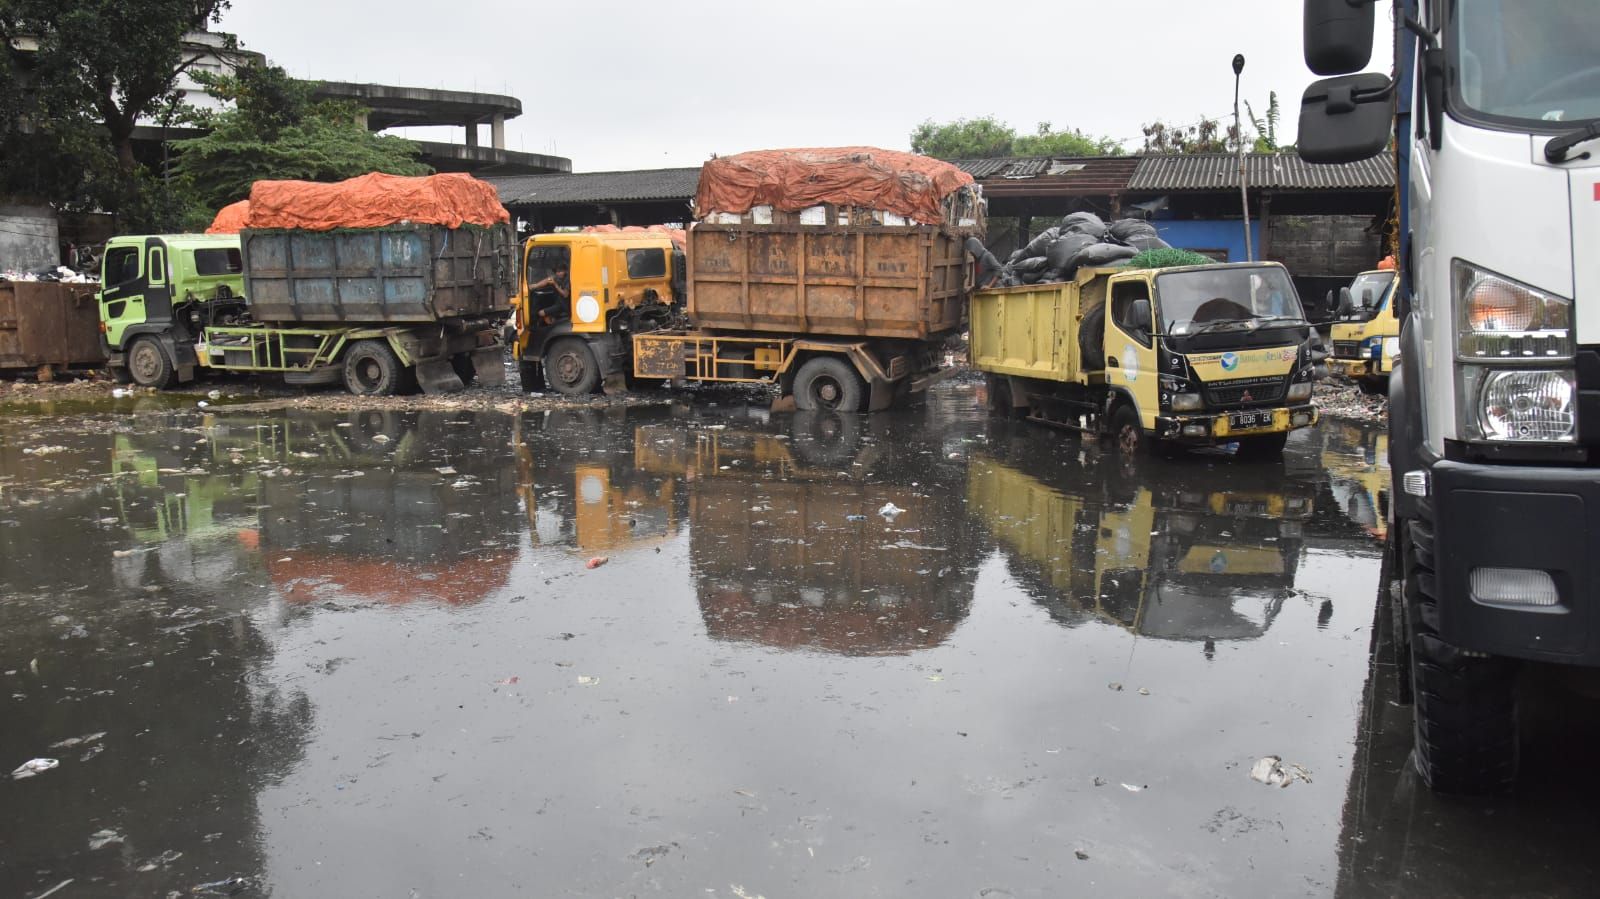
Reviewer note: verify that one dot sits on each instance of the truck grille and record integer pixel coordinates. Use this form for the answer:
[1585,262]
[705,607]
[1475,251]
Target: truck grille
[1347,349]
[1245,392]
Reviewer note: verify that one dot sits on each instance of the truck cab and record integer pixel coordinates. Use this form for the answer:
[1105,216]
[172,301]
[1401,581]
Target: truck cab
[1366,333]
[573,336]
[157,292]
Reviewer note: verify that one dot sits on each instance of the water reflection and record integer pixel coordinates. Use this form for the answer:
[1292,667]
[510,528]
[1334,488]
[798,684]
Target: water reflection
[1356,458]
[1152,549]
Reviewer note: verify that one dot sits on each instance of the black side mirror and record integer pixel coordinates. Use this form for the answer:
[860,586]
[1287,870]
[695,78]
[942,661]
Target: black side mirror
[1139,316]
[1346,119]
[1347,302]
[1338,35]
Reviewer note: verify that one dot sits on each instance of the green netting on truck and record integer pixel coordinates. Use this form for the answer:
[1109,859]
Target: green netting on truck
[1167,257]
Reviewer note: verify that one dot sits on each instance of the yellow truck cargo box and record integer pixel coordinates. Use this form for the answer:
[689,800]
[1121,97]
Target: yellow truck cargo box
[1031,331]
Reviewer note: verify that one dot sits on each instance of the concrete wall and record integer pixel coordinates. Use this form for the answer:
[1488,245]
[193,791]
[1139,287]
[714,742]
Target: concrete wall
[1211,235]
[29,238]
[1335,245]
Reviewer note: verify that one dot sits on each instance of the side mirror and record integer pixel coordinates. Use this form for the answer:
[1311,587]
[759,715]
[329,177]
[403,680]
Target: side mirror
[1346,119]
[1347,302]
[1338,35]
[1139,316]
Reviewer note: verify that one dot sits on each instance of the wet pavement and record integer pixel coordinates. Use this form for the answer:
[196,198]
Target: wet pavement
[696,650]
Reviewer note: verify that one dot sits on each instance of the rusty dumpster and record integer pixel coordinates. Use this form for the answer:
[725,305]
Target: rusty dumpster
[49,323]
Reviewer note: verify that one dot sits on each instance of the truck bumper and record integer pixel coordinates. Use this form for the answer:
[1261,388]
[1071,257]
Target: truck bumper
[1215,428]
[1349,368]
[1541,522]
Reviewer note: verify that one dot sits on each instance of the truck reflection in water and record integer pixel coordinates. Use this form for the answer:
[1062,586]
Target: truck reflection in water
[1356,458]
[788,548]
[1156,556]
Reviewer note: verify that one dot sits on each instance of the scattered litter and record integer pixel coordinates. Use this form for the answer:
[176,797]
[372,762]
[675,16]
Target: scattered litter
[1099,781]
[118,393]
[215,394]
[230,887]
[855,518]
[1133,789]
[55,889]
[1082,856]
[43,450]
[596,562]
[585,680]
[76,741]
[202,404]
[1114,687]
[936,677]
[445,469]
[954,456]
[122,553]
[508,681]
[1144,691]
[103,838]
[380,438]
[161,861]
[890,511]
[33,766]
[1274,773]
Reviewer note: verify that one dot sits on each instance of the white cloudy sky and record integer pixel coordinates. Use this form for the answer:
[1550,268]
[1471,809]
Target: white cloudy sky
[618,85]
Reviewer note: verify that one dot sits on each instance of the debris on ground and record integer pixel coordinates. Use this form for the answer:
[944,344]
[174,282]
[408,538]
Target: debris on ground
[585,680]
[1271,771]
[160,861]
[1340,399]
[231,886]
[596,562]
[103,838]
[890,511]
[33,766]
[1082,856]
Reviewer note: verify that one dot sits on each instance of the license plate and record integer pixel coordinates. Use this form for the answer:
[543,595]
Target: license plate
[1242,421]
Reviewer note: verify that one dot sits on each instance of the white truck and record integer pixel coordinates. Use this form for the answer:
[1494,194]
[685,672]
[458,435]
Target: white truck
[1494,416]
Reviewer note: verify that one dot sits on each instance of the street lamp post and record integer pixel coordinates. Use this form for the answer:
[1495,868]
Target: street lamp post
[1238,136]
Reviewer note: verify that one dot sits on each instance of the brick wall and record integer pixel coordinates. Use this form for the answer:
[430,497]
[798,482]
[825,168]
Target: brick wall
[1323,244]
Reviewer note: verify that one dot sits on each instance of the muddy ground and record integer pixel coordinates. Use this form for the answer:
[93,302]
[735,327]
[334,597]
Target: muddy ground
[684,646]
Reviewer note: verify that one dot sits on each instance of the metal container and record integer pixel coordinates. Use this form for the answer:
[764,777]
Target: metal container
[1032,330]
[48,323]
[857,281]
[398,274]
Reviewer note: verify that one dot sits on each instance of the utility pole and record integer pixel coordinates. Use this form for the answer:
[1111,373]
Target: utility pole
[1238,136]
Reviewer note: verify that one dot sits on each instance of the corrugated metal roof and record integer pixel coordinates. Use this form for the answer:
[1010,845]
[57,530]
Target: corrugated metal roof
[1220,171]
[1051,174]
[596,187]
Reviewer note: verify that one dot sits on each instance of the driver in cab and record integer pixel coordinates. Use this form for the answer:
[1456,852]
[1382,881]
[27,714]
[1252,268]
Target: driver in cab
[555,295]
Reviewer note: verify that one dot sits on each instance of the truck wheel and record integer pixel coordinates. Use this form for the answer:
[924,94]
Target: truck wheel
[1001,403]
[1373,386]
[571,368]
[1127,433]
[372,369]
[148,364]
[1465,705]
[461,363]
[1267,446]
[532,376]
[828,383]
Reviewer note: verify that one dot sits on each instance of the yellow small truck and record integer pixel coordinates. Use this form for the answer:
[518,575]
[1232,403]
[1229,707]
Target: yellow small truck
[1366,333]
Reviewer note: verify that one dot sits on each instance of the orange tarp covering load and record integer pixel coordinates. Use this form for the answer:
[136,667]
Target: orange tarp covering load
[231,218]
[375,201]
[676,235]
[791,180]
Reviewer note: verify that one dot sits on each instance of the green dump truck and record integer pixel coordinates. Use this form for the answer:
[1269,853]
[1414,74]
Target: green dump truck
[1195,355]
[381,310]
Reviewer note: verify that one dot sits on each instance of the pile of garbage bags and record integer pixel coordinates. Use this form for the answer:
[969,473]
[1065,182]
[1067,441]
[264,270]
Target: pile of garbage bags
[55,273]
[1081,239]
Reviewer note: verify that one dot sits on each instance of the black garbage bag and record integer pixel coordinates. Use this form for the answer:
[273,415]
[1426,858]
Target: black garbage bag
[1084,223]
[1038,245]
[1064,249]
[1137,233]
[1104,254]
[1029,266]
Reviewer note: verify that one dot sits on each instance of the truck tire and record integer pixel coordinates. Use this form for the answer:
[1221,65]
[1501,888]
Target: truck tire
[570,367]
[828,383]
[1127,434]
[149,365]
[1267,446]
[1092,339]
[120,374]
[1373,386]
[1465,705]
[461,363]
[372,369]
[1001,402]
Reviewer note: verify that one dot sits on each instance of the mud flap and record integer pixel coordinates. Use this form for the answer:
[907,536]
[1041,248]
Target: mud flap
[490,371]
[614,384]
[438,376]
[882,395]
[784,403]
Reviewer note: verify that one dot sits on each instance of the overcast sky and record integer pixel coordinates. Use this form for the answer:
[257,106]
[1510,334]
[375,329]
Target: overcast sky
[621,85]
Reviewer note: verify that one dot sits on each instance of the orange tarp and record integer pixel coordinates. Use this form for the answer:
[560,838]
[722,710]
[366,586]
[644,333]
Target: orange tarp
[231,218]
[903,183]
[676,235]
[375,201]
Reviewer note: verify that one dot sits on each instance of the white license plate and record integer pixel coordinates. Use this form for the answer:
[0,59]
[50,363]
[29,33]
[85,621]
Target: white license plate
[1241,421]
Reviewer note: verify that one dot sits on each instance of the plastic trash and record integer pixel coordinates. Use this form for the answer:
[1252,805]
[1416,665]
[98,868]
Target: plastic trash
[215,394]
[890,511]
[32,767]
[1084,223]
[585,680]
[103,838]
[1271,771]
[1065,249]
[229,887]
[596,562]
[855,518]
[1037,246]
[1105,254]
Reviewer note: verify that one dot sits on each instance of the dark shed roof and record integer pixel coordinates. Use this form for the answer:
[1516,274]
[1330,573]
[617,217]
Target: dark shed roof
[1053,175]
[644,185]
[1220,171]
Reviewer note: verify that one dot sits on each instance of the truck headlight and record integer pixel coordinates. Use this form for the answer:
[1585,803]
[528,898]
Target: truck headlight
[1391,347]
[1186,402]
[588,308]
[1521,405]
[1502,319]
[1300,392]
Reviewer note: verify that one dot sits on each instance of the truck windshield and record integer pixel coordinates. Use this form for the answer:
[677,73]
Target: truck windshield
[1370,289]
[1195,299]
[1528,61]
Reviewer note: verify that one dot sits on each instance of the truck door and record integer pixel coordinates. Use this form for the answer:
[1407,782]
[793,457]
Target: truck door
[1130,345]
[121,291]
[158,284]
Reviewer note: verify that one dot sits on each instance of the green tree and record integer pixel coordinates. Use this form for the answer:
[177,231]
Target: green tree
[1266,126]
[1204,136]
[988,137]
[274,131]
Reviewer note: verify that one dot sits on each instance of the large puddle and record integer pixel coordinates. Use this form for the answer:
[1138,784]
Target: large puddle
[708,651]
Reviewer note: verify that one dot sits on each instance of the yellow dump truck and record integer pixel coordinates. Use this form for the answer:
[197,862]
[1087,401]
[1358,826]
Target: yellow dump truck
[1192,355]
[1366,333]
